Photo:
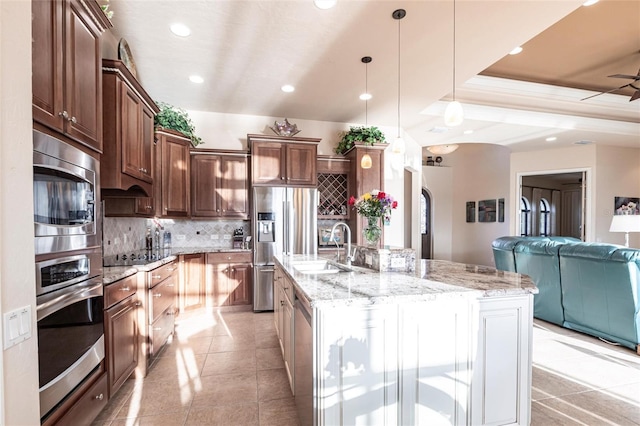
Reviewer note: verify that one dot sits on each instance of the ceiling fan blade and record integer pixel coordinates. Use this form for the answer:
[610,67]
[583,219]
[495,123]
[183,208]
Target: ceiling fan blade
[632,77]
[608,91]
[635,96]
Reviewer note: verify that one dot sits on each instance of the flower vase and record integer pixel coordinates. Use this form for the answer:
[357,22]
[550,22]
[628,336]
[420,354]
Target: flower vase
[372,232]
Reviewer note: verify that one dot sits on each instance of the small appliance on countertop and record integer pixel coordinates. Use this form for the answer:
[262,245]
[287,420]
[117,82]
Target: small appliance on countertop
[238,238]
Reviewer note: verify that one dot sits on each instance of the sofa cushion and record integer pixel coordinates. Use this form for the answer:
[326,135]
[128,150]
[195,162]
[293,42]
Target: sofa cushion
[541,261]
[503,254]
[600,291]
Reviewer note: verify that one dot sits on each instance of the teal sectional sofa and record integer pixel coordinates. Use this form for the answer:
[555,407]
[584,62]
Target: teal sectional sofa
[589,287]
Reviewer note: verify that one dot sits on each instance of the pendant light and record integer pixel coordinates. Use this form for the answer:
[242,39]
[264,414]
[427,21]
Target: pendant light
[454,115]
[366,161]
[398,145]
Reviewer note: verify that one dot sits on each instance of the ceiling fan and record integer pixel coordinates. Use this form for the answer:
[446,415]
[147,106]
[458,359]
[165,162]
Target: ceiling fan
[635,84]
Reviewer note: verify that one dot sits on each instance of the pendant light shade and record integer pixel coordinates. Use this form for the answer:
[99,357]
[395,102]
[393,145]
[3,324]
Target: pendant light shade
[366,162]
[398,146]
[453,115]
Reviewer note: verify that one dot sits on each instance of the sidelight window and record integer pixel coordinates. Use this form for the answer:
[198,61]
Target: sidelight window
[545,218]
[525,217]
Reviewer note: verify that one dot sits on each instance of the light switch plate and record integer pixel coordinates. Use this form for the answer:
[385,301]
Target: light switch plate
[17,326]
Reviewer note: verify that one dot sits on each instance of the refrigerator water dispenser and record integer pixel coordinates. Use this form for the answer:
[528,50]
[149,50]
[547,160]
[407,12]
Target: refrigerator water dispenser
[266,227]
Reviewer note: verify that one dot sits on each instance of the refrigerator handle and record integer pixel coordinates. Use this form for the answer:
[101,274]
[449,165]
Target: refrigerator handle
[285,227]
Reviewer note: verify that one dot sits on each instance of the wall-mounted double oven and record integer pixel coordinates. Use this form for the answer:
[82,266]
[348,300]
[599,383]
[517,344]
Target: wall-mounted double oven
[68,268]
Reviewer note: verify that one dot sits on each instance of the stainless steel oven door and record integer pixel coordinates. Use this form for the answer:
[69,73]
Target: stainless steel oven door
[70,339]
[65,181]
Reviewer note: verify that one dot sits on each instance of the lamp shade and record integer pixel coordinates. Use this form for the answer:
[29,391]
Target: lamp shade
[453,115]
[625,223]
[398,146]
[366,162]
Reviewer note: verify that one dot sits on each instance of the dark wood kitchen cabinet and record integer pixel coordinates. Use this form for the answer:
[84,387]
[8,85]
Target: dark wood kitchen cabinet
[172,183]
[128,159]
[121,331]
[191,293]
[229,279]
[67,68]
[278,161]
[219,184]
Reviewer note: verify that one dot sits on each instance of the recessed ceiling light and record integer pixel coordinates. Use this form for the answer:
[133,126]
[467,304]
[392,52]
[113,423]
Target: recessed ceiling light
[365,96]
[590,2]
[180,30]
[551,139]
[583,142]
[516,50]
[468,132]
[439,129]
[196,79]
[325,4]
[287,88]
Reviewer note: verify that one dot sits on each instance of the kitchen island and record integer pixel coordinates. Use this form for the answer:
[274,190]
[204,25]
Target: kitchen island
[447,344]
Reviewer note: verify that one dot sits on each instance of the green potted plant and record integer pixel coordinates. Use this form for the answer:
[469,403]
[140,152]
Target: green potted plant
[366,135]
[174,118]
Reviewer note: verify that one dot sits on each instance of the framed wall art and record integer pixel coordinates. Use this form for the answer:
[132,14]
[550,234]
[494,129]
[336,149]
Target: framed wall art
[627,205]
[471,211]
[487,211]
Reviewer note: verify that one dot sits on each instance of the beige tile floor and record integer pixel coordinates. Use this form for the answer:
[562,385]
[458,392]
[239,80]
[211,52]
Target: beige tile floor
[227,369]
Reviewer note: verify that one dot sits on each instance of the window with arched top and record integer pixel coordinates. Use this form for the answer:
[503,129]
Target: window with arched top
[525,217]
[545,218]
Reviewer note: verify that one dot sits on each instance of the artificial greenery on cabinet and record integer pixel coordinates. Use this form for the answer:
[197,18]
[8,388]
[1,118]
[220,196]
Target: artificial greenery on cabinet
[367,135]
[174,118]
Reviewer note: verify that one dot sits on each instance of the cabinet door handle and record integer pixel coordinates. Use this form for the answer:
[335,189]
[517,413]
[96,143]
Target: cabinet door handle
[170,285]
[73,120]
[64,114]
[156,277]
[281,177]
[282,303]
[99,397]
[157,329]
[125,289]
[157,295]
[217,210]
[138,303]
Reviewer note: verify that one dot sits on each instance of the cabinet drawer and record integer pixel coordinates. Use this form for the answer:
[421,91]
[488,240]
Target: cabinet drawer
[87,408]
[161,297]
[163,272]
[119,290]
[229,257]
[160,330]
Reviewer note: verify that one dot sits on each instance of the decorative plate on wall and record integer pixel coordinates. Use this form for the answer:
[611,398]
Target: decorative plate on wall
[124,54]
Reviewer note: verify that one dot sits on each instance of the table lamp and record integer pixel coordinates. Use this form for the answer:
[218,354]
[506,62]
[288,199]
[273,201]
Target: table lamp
[625,223]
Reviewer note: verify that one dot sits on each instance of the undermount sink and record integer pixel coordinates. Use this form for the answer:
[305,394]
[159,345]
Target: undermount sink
[319,267]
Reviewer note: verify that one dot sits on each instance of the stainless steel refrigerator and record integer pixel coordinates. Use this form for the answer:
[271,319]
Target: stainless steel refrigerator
[284,222]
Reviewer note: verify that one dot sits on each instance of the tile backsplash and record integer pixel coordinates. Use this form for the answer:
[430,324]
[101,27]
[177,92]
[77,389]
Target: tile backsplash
[128,234]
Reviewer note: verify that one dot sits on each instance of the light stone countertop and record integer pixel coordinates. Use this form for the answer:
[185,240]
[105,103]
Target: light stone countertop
[112,274]
[432,279]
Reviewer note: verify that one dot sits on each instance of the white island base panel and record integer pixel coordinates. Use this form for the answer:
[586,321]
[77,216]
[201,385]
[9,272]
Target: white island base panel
[456,361]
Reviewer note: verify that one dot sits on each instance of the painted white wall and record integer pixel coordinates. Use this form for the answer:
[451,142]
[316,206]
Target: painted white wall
[618,176]
[19,371]
[480,172]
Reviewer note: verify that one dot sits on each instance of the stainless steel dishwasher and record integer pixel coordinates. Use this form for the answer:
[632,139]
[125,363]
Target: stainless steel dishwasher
[303,360]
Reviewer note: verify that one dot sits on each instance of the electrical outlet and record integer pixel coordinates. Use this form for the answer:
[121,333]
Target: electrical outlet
[181,237]
[215,236]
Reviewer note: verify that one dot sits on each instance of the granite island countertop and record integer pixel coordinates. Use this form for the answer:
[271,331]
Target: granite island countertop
[431,280]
